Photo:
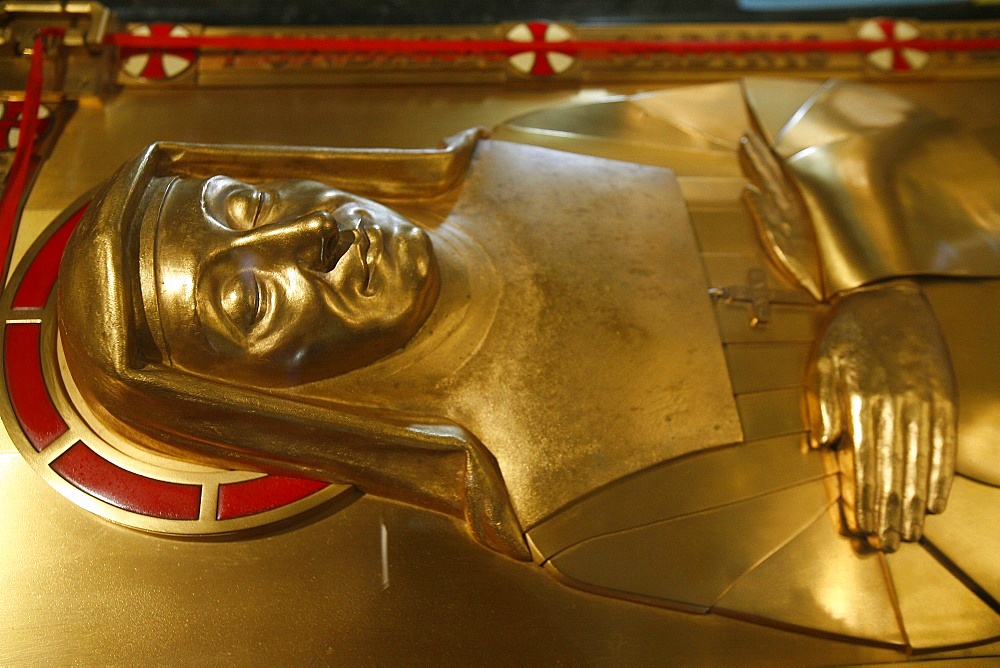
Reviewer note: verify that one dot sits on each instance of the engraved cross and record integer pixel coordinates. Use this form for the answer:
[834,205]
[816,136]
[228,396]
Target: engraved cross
[759,296]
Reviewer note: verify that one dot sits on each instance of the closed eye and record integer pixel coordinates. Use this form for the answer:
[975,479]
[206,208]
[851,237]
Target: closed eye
[244,207]
[243,301]
[257,204]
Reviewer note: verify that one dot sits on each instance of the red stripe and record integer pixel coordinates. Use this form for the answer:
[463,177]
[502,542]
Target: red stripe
[40,421]
[584,48]
[888,27]
[542,66]
[154,67]
[538,29]
[899,61]
[17,177]
[40,278]
[239,499]
[88,471]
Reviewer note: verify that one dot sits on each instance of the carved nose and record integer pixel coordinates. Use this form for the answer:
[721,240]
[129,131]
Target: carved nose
[308,240]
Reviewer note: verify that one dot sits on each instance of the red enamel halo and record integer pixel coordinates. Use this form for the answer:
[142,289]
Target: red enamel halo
[54,431]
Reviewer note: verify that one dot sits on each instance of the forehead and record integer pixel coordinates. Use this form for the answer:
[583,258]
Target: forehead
[182,205]
[227,200]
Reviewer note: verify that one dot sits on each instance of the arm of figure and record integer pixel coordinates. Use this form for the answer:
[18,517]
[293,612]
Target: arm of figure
[779,215]
[883,396]
[430,463]
[881,389]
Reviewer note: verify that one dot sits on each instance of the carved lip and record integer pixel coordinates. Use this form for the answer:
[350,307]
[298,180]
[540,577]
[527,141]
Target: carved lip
[334,247]
[372,245]
[366,240]
[363,243]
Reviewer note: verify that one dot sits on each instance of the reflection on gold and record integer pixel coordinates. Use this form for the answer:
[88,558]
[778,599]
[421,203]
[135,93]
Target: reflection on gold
[689,544]
[941,610]
[413,431]
[683,487]
[808,119]
[101,594]
[968,535]
[841,592]
[601,358]
[236,263]
[891,188]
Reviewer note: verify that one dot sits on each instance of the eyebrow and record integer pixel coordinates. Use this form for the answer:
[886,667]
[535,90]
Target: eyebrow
[204,203]
[210,206]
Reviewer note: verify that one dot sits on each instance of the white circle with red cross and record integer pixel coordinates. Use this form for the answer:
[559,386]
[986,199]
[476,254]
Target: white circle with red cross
[157,63]
[895,55]
[10,123]
[540,63]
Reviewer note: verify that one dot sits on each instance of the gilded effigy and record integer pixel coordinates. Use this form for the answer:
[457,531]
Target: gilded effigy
[595,364]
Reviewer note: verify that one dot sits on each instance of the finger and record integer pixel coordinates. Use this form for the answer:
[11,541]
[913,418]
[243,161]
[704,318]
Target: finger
[942,459]
[761,205]
[764,167]
[848,490]
[757,156]
[826,414]
[890,435]
[861,428]
[916,450]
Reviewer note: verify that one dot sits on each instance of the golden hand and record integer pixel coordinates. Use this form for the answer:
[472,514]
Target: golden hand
[883,397]
[779,214]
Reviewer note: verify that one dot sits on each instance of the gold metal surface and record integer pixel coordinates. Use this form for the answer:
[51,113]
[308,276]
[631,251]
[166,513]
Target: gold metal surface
[241,67]
[806,582]
[775,102]
[788,230]
[424,406]
[771,413]
[780,216]
[127,456]
[885,182]
[678,561]
[896,429]
[973,336]
[80,589]
[342,587]
[681,488]
[941,609]
[111,130]
[969,536]
[902,492]
[756,367]
[229,265]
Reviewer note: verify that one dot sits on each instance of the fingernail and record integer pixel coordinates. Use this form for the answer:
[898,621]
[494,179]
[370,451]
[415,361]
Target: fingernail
[890,540]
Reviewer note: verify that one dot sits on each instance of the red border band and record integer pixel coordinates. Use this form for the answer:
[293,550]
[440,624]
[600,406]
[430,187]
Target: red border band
[81,466]
[239,499]
[33,407]
[40,278]
[505,47]
[86,470]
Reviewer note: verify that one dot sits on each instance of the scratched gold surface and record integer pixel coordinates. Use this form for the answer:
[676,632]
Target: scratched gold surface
[74,587]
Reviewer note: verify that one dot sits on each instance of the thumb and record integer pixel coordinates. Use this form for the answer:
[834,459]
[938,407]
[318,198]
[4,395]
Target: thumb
[825,414]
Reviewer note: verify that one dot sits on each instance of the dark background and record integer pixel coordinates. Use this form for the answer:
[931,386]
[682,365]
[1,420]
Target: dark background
[402,12]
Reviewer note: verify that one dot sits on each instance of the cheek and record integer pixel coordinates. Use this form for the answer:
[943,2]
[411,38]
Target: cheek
[295,317]
[407,286]
[416,261]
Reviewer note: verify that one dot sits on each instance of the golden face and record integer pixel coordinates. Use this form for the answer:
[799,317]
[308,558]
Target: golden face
[285,282]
